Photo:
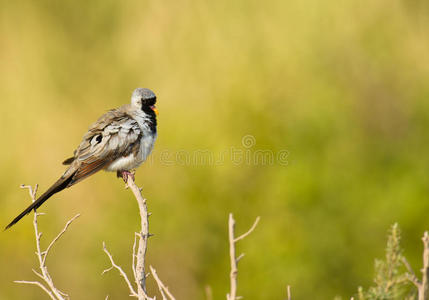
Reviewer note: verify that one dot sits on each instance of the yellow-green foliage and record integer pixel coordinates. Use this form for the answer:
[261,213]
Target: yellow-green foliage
[341,85]
[391,279]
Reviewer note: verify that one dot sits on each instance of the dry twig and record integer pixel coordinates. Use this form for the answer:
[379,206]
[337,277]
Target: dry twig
[143,237]
[50,289]
[232,295]
[209,293]
[162,288]
[411,275]
[422,285]
[138,258]
[123,274]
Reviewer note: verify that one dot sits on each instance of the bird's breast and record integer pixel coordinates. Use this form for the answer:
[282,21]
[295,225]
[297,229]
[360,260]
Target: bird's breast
[123,163]
[134,159]
[146,146]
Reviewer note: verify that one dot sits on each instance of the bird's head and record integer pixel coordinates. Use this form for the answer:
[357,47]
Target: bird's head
[144,99]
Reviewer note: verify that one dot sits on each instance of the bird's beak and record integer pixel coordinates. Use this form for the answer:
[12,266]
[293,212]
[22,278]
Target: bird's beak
[155,110]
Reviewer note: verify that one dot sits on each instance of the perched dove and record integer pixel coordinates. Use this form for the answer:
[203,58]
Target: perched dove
[120,141]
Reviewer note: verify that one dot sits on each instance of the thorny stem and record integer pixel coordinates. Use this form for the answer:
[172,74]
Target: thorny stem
[143,237]
[138,259]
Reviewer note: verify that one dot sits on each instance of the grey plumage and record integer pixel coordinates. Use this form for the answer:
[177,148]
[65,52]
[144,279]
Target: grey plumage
[119,140]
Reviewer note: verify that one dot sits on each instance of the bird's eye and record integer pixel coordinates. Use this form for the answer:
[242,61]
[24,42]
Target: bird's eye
[96,139]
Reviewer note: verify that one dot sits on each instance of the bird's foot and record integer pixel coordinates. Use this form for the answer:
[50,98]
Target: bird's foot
[125,174]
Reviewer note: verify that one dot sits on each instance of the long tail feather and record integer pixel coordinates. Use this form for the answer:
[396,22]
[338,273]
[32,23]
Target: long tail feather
[58,186]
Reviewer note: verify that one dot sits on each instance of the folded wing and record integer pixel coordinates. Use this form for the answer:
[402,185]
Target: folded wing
[114,135]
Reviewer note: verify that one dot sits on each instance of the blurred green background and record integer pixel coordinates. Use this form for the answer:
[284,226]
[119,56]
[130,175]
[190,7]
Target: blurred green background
[341,85]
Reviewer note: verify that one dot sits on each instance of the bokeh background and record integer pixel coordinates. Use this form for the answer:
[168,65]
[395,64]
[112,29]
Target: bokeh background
[342,86]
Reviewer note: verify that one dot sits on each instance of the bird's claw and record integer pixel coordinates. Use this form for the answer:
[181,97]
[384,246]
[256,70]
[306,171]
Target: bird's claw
[125,174]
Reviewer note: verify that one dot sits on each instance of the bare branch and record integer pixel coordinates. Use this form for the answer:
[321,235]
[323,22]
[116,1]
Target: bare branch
[408,266]
[38,284]
[209,293]
[143,236]
[107,270]
[289,294]
[161,291]
[138,258]
[51,290]
[411,276]
[133,264]
[424,287]
[240,257]
[249,231]
[123,274]
[232,295]
[37,273]
[58,237]
[31,191]
[161,285]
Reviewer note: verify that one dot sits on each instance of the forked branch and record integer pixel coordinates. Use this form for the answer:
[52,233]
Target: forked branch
[49,288]
[232,295]
[139,255]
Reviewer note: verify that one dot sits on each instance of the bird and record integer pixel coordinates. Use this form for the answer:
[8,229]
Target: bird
[120,140]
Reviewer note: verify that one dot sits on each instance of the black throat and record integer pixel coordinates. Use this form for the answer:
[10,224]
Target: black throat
[152,117]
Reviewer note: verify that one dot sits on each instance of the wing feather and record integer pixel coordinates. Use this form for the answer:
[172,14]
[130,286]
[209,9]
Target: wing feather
[87,169]
[114,135]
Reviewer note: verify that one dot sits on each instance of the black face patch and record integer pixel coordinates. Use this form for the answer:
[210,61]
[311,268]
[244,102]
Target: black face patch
[151,114]
[148,101]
